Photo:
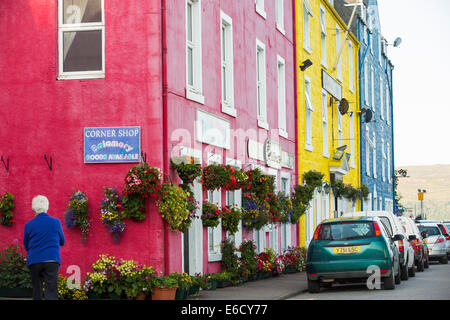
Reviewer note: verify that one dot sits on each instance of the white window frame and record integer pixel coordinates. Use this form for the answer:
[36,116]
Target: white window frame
[388,151]
[285,227]
[340,128]
[372,83]
[97,74]
[227,63]
[352,141]
[194,91]
[382,98]
[323,38]
[281,88]
[307,14]
[237,238]
[338,46]
[279,15]
[383,160]
[215,234]
[388,105]
[309,109]
[261,98]
[374,155]
[259,8]
[351,68]
[368,142]
[325,144]
[366,83]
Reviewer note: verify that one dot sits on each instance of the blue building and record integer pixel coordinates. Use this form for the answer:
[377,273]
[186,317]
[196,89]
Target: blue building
[376,117]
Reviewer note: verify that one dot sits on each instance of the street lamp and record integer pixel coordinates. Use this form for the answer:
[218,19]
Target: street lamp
[420,194]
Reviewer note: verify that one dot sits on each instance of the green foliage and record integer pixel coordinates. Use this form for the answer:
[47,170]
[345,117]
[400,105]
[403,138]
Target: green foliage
[313,178]
[173,206]
[6,207]
[230,259]
[248,256]
[77,214]
[14,272]
[231,218]
[214,176]
[187,172]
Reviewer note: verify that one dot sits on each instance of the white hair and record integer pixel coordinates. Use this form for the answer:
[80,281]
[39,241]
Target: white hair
[39,204]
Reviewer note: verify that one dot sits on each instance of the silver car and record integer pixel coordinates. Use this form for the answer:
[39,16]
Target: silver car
[436,242]
[445,229]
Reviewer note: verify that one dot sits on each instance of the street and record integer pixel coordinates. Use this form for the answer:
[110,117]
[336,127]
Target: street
[432,284]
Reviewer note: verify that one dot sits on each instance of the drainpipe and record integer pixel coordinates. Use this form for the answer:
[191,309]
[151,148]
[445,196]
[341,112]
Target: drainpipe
[296,167]
[164,125]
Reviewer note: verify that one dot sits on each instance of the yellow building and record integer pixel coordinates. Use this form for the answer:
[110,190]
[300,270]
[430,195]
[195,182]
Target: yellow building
[325,90]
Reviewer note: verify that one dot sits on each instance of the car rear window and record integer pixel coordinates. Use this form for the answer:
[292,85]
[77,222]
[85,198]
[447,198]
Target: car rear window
[443,229]
[431,231]
[346,231]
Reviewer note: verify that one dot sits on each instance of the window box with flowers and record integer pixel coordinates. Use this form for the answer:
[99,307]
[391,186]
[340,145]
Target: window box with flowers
[164,287]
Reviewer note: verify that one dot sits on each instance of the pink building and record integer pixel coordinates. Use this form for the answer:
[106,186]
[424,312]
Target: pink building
[209,79]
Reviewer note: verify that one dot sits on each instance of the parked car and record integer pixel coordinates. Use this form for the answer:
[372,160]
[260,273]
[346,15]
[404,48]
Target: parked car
[343,249]
[416,241]
[393,226]
[446,232]
[436,242]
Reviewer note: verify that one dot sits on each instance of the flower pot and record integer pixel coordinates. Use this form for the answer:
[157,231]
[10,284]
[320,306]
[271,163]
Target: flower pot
[141,296]
[16,292]
[267,274]
[181,294]
[114,296]
[164,293]
[193,290]
[212,285]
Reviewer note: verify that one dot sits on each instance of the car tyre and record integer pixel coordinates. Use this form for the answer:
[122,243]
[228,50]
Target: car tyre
[421,265]
[398,277]
[313,286]
[389,282]
[412,271]
[444,260]
[404,272]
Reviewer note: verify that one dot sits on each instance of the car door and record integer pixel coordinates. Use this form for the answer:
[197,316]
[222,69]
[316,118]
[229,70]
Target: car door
[392,247]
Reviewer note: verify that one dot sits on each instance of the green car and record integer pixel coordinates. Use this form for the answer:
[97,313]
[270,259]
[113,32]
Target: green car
[352,250]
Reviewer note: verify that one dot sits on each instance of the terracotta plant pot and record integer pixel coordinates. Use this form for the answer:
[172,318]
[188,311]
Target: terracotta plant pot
[141,296]
[164,293]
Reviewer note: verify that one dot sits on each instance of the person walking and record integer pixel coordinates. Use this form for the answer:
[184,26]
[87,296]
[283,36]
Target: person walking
[43,237]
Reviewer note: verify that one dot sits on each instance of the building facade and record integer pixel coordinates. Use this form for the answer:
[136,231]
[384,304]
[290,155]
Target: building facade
[324,125]
[375,79]
[211,80]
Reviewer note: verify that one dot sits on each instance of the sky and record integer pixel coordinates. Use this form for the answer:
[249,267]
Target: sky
[421,78]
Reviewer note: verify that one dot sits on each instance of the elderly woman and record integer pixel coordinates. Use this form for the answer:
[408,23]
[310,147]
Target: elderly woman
[42,239]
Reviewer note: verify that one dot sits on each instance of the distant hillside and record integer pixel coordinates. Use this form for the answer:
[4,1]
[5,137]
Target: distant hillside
[436,181]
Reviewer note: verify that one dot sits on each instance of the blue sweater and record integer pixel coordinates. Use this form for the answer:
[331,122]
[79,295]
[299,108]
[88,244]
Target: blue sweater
[42,239]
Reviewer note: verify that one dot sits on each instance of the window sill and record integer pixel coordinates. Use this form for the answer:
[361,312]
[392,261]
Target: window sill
[194,96]
[81,76]
[227,109]
[309,147]
[283,133]
[213,257]
[308,49]
[260,11]
[263,124]
[281,29]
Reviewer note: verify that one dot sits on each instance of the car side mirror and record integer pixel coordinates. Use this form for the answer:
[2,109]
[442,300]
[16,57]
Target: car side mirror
[398,237]
[412,237]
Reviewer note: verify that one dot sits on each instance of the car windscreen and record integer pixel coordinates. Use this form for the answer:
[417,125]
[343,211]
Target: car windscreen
[431,231]
[346,231]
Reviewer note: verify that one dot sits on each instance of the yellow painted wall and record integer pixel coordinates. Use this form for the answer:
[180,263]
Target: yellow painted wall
[314,160]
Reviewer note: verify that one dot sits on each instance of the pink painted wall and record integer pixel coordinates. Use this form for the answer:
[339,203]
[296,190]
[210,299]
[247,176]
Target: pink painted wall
[247,26]
[41,115]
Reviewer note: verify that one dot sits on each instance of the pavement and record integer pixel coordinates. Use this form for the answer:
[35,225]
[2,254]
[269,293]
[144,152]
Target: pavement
[281,287]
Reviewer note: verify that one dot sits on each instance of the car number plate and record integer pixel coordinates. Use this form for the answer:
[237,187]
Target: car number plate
[339,250]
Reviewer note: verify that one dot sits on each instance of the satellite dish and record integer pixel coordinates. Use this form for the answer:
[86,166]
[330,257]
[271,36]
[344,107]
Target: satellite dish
[343,106]
[397,42]
[368,115]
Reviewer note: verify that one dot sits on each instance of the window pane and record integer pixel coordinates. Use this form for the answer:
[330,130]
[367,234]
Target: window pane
[224,83]
[82,11]
[83,51]
[190,68]
[189,22]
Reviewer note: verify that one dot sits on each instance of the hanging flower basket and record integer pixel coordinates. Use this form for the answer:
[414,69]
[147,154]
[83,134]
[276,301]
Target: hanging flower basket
[214,176]
[187,171]
[111,214]
[255,212]
[231,218]
[77,213]
[6,207]
[211,215]
[173,206]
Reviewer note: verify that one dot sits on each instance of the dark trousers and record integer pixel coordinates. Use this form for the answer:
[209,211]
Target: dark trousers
[44,277]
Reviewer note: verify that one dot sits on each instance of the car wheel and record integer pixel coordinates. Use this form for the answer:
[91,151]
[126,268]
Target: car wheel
[412,271]
[389,282]
[420,265]
[444,259]
[313,286]
[398,277]
[404,272]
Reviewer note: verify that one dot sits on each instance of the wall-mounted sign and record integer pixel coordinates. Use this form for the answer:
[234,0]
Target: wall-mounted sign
[272,154]
[112,145]
[331,86]
[213,130]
